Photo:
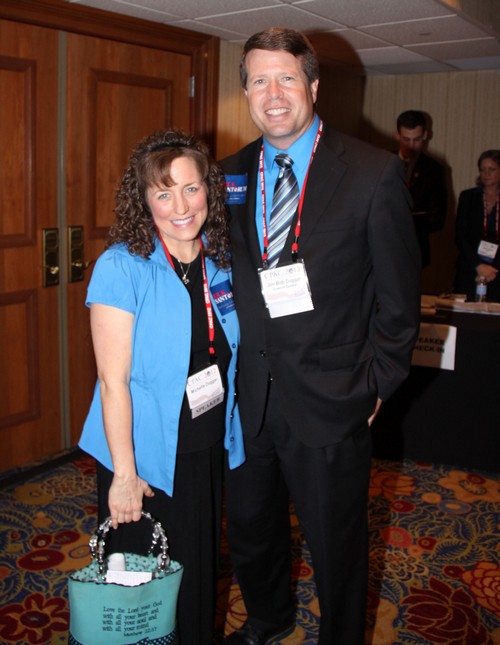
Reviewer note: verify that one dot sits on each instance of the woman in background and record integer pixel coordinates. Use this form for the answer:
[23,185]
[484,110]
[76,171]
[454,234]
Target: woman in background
[161,311]
[477,232]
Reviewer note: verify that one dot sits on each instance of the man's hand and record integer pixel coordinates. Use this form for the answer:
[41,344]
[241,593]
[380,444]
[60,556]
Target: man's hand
[375,412]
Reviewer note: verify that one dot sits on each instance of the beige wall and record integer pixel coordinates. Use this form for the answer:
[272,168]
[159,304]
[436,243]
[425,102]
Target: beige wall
[234,126]
[464,107]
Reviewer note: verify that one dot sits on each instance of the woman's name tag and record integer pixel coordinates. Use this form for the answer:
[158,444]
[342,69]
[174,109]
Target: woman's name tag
[286,289]
[487,251]
[204,390]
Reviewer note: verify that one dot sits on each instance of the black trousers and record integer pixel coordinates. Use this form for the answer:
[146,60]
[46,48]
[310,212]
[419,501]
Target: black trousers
[329,489]
[192,521]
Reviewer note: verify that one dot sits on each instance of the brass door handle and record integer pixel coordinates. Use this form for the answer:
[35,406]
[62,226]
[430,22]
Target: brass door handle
[50,263]
[50,256]
[53,270]
[78,264]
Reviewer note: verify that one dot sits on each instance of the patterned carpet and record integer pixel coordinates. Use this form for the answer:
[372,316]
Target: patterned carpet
[434,556]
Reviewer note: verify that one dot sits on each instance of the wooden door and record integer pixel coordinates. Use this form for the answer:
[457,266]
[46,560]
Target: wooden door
[79,87]
[30,422]
[116,94]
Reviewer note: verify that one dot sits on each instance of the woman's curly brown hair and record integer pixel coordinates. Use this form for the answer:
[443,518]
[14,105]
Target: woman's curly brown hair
[149,165]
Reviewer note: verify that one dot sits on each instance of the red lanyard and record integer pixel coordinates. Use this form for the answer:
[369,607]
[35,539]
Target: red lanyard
[485,219]
[206,294]
[295,243]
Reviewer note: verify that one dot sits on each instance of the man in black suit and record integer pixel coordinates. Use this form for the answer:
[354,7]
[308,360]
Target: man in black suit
[425,178]
[326,336]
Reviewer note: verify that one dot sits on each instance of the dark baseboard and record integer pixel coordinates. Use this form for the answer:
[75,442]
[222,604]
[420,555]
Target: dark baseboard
[20,475]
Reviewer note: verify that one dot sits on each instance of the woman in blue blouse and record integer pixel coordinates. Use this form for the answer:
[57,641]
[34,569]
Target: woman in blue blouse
[165,335]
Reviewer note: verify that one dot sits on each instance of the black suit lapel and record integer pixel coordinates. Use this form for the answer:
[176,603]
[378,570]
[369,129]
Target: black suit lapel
[325,175]
[243,215]
[248,217]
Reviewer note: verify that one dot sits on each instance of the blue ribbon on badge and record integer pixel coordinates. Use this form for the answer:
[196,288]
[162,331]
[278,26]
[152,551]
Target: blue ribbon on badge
[236,187]
[223,296]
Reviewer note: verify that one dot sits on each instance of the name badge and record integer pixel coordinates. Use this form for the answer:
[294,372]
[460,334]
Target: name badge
[487,251]
[286,289]
[236,189]
[204,390]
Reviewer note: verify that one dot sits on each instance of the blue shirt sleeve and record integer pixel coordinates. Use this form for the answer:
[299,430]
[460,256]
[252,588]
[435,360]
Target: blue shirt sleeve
[113,280]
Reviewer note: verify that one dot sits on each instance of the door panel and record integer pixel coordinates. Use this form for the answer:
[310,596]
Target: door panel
[30,425]
[116,94]
[148,104]
[72,108]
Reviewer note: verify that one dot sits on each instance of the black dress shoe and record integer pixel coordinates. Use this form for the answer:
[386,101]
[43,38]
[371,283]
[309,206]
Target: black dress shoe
[248,635]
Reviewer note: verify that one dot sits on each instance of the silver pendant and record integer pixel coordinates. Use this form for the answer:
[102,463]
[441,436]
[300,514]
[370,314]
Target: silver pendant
[185,279]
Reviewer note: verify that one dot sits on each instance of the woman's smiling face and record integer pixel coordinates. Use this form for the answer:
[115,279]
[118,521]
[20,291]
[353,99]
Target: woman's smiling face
[179,211]
[489,171]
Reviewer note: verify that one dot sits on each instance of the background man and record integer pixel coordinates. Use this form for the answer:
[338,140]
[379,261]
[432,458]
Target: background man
[324,340]
[425,179]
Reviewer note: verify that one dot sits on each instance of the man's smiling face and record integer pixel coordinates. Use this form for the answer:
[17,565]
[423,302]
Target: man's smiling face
[280,97]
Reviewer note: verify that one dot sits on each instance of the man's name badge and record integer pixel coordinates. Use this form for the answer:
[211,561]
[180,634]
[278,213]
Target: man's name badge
[204,390]
[286,289]
[487,251]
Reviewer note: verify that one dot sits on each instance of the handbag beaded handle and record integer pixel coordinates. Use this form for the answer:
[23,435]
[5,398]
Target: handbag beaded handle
[97,542]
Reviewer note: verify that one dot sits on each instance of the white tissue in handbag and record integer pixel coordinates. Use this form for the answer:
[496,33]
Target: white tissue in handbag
[118,575]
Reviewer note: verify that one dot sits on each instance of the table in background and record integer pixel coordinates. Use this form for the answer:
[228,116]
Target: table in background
[444,416]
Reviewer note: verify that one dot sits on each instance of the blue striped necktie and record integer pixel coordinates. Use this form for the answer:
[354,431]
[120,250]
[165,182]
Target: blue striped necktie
[285,201]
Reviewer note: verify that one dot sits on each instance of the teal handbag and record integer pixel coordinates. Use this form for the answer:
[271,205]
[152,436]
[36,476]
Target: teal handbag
[107,613]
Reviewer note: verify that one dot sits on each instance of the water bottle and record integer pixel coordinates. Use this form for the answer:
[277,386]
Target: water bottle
[481,289]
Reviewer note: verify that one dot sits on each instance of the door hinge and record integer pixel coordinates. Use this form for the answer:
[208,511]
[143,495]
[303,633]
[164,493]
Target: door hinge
[191,87]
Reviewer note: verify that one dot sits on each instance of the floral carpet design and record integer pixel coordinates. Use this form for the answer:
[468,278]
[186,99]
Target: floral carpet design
[434,556]
[434,561]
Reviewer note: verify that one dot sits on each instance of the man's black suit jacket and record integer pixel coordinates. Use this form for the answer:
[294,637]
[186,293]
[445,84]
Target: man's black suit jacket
[362,259]
[429,193]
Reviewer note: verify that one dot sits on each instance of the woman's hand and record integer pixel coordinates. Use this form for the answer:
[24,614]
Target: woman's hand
[125,499]
[486,271]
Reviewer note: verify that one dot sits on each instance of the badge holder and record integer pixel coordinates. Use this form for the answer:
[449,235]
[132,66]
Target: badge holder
[286,289]
[204,390]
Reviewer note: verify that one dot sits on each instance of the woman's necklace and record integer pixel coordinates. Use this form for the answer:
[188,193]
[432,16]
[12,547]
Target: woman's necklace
[491,198]
[184,271]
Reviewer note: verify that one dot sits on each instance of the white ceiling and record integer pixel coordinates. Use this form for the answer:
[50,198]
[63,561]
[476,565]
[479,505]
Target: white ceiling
[371,36]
